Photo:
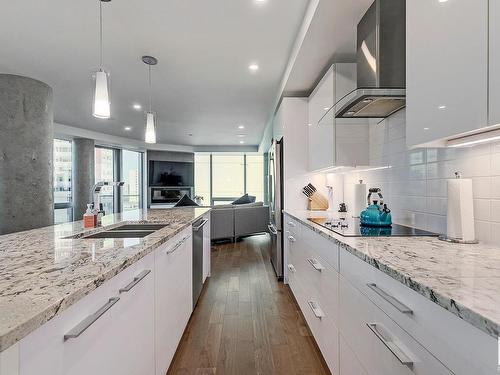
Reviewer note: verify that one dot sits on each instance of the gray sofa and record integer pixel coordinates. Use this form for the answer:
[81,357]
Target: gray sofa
[233,221]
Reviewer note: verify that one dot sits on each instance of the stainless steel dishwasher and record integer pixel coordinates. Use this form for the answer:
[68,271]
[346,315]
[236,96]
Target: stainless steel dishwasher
[198,259]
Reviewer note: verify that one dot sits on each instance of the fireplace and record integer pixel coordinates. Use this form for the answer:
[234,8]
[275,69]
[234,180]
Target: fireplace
[168,196]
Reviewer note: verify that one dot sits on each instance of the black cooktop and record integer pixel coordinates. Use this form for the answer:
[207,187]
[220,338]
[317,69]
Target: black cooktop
[353,228]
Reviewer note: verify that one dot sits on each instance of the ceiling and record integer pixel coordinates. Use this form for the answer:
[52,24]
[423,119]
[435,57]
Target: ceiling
[331,37]
[201,86]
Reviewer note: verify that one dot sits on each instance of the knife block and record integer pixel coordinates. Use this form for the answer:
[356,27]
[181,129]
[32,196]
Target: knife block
[317,203]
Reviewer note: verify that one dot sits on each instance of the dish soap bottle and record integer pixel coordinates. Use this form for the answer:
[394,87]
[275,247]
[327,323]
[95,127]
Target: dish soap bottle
[89,218]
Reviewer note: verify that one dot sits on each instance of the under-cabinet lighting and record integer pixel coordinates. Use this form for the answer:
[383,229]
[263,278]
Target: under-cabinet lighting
[373,169]
[475,139]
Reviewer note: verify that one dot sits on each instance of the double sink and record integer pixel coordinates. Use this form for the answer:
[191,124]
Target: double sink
[127,231]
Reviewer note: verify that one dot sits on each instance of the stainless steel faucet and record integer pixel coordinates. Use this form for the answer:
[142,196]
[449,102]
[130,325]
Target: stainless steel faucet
[96,189]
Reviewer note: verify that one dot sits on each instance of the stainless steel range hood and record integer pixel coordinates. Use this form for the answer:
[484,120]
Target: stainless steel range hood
[381,63]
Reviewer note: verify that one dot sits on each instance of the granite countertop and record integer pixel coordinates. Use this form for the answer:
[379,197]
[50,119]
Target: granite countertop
[463,279]
[42,272]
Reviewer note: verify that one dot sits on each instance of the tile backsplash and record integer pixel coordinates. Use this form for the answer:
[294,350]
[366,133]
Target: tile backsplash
[414,186]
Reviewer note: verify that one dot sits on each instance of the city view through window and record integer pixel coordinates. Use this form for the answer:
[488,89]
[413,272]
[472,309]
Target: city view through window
[62,181]
[131,175]
[221,178]
[105,170]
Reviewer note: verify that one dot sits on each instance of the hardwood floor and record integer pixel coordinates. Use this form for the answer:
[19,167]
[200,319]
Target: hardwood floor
[246,322]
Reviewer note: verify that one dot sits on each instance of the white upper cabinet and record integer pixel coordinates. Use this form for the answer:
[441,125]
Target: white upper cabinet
[447,68]
[321,145]
[335,142]
[494,64]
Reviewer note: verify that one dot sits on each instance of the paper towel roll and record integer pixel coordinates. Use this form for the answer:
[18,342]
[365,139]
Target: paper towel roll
[460,217]
[359,199]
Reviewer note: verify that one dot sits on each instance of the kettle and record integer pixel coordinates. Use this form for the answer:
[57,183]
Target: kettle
[377,214]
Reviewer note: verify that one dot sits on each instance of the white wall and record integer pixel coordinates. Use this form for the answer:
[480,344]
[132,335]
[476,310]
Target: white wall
[415,186]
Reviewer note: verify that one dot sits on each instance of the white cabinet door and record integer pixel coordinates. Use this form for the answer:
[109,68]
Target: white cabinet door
[278,125]
[135,320]
[206,248]
[335,142]
[173,288]
[118,340]
[349,363]
[446,68]
[494,63]
[321,135]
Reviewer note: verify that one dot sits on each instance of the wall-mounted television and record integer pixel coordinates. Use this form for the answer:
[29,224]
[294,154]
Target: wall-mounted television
[171,173]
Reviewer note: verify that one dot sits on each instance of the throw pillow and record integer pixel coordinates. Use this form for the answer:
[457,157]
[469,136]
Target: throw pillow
[185,201]
[244,199]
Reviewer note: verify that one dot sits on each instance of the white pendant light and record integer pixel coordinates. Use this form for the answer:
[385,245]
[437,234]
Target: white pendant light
[150,128]
[150,136]
[101,105]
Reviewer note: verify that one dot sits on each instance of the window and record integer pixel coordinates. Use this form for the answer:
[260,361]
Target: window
[255,176]
[202,177]
[62,181]
[105,171]
[222,178]
[228,177]
[131,175]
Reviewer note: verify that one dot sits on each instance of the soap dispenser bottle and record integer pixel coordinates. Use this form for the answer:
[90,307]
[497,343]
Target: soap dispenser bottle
[89,218]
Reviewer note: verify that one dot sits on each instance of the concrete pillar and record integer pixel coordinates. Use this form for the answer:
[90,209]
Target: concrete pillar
[82,175]
[26,148]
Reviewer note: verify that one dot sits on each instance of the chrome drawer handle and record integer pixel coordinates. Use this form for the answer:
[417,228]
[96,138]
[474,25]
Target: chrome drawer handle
[89,320]
[315,264]
[272,229]
[177,245]
[291,238]
[316,309]
[393,301]
[134,282]
[291,267]
[204,221]
[391,345]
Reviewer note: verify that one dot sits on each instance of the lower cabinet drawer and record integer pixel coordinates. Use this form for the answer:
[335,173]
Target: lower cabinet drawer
[349,363]
[318,278]
[463,348]
[325,248]
[320,323]
[380,344]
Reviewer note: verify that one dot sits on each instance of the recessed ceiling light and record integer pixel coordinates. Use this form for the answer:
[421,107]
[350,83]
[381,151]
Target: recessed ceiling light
[128,128]
[309,124]
[260,1]
[426,128]
[442,107]
[137,106]
[241,142]
[253,67]
[241,126]
[443,1]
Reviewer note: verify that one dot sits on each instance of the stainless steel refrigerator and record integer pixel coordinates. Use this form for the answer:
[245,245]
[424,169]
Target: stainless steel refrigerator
[275,180]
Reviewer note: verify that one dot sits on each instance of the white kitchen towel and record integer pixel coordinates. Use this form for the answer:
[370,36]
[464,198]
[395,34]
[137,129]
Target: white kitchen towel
[460,216]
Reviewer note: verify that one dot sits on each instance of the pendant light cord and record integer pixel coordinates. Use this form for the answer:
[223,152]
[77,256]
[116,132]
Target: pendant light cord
[150,90]
[100,34]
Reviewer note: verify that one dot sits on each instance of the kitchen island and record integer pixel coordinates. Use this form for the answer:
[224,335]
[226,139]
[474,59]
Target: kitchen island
[45,271]
[443,297]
